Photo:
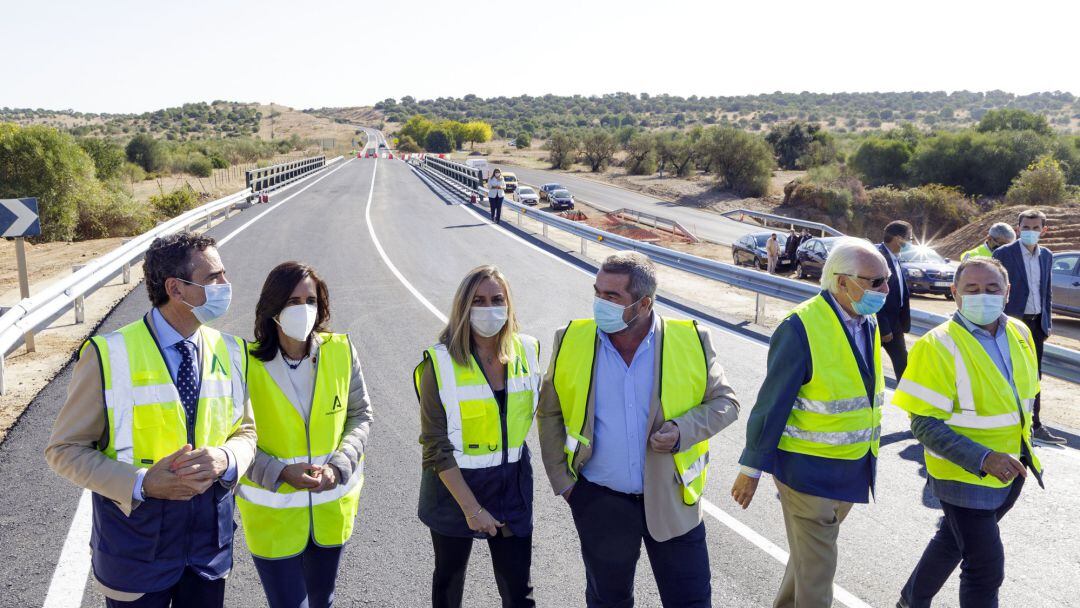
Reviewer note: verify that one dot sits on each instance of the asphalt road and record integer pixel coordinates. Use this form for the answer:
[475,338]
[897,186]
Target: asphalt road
[393,253]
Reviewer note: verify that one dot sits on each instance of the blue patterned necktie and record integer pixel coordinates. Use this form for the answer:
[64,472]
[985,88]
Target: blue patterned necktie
[187,381]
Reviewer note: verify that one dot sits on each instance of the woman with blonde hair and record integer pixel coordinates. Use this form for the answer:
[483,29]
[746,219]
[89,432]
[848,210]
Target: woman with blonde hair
[478,389]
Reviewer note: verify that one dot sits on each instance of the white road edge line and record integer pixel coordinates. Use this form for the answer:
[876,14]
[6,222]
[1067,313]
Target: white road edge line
[73,568]
[844,596]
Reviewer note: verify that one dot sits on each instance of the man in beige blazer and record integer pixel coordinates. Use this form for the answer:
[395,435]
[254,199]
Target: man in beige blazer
[627,488]
[163,523]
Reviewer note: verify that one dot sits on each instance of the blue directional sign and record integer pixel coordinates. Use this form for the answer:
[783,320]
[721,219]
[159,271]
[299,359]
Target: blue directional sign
[19,217]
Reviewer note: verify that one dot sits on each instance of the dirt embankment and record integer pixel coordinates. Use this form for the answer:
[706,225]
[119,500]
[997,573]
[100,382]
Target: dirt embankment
[1063,230]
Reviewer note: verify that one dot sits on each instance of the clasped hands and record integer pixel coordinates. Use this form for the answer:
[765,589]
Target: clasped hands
[185,473]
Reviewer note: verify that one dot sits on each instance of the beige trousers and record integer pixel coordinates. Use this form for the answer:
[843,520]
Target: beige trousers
[813,525]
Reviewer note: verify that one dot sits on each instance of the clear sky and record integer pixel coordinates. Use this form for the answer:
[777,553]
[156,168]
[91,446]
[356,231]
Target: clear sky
[127,56]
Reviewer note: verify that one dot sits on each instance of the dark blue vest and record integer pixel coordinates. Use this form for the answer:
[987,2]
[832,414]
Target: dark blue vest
[149,550]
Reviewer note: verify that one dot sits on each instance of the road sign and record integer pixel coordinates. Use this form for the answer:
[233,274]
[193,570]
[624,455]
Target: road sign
[19,217]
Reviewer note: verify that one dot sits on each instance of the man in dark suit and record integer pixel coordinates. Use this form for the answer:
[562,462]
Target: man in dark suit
[1029,267]
[894,319]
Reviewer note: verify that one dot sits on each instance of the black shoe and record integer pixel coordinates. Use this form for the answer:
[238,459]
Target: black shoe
[1041,434]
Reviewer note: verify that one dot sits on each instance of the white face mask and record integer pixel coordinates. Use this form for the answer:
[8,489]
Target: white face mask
[298,320]
[983,308]
[487,320]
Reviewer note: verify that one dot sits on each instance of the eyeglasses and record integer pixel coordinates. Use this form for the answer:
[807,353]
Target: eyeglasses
[874,282]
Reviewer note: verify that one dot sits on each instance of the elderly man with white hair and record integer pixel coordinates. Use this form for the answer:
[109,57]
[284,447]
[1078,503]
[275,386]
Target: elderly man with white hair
[999,235]
[816,425]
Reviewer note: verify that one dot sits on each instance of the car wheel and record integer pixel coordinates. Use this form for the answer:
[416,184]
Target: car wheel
[762,264]
[800,271]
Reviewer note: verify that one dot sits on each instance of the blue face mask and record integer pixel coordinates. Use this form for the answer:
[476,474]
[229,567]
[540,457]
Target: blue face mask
[870,304]
[1030,237]
[608,315]
[218,297]
[983,308]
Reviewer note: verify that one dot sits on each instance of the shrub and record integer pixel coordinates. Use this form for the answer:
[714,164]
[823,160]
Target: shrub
[217,160]
[200,166]
[523,140]
[562,149]
[978,163]
[1042,183]
[112,215]
[791,144]
[881,161]
[933,209]
[147,152]
[1013,119]
[407,145]
[744,162]
[640,154]
[438,141]
[176,202]
[107,156]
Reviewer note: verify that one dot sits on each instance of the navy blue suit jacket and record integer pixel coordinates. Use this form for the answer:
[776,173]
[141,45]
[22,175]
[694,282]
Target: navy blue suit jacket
[1012,258]
[895,315]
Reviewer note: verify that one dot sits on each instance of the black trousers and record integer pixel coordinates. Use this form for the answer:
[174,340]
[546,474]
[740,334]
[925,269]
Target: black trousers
[511,558]
[495,205]
[191,591]
[897,351]
[971,539]
[1034,323]
[611,526]
[302,581]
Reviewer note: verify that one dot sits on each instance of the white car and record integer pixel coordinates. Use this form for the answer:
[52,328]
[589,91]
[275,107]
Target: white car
[526,196]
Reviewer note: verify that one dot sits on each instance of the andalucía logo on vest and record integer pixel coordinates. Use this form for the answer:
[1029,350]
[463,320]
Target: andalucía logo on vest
[217,365]
[335,407]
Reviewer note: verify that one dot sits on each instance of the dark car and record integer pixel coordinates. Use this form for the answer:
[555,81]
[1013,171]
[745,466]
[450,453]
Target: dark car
[750,249]
[561,199]
[1065,277]
[925,271]
[547,189]
[811,255]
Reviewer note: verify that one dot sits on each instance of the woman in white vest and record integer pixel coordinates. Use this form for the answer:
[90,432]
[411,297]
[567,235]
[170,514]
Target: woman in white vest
[299,499]
[478,391]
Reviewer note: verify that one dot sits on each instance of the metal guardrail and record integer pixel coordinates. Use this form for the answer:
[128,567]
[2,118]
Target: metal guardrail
[39,310]
[658,222]
[1057,361]
[275,176]
[792,222]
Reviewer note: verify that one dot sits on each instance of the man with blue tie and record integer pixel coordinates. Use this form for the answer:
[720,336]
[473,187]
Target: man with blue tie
[816,425]
[1029,266]
[157,424]
[894,318]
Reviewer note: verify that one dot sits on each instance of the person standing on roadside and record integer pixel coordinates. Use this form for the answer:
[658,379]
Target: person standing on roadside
[496,190]
[894,319]
[772,252]
[157,424]
[791,245]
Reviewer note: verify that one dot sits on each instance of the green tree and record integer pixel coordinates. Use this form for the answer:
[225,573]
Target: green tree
[677,150]
[598,148]
[881,161]
[438,141]
[407,145]
[640,154]
[147,152]
[477,132]
[107,156]
[791,142]
[978,163]
[523,140]
[562,149]
[1042,183]
[417,128]
[743,161]
[1012,119]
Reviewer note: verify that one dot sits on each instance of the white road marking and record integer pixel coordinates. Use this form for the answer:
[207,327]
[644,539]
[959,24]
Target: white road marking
[72,569]
[844,596]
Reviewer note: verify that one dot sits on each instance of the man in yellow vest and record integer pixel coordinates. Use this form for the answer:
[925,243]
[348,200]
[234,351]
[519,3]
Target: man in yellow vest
[626,411]
[969,389]
[817,421]
[1000,234]
[157,424]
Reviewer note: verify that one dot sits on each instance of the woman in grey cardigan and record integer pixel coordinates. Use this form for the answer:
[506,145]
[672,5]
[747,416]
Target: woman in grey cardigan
[299,499]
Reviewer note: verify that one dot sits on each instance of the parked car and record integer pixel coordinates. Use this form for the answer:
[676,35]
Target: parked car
[811,255]
[1065,282]
[750,249]
[926,271]
[547,189]
[561,199]
[526,195]
[510,181]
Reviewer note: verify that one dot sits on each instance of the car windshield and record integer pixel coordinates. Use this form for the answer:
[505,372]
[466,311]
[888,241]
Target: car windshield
[552,187]
[921,253]
[561,194]
[509,178]
[525,190]
[764,237]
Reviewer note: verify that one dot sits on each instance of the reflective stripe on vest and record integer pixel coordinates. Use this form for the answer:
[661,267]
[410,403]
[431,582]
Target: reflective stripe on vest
[473,421]
[951,377]
[683,378]
[833,417]
[279,523]
[982,251]
[146,418]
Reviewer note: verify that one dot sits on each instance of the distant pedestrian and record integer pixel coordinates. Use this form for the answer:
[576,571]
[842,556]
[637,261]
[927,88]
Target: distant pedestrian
[496,190]
[478,389]
[792,244]
[772,251]
[894,319]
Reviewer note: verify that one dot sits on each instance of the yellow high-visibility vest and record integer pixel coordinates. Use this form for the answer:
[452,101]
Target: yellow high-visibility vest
[950,376]
[683,376]
[982,251]
[278,524]
[146,418]
[833,417]
[473,421]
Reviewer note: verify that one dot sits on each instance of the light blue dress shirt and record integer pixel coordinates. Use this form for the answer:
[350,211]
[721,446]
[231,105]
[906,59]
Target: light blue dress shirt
[168,338]
[623,395]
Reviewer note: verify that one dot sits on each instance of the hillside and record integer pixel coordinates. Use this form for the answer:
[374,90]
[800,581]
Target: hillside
[840,112]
